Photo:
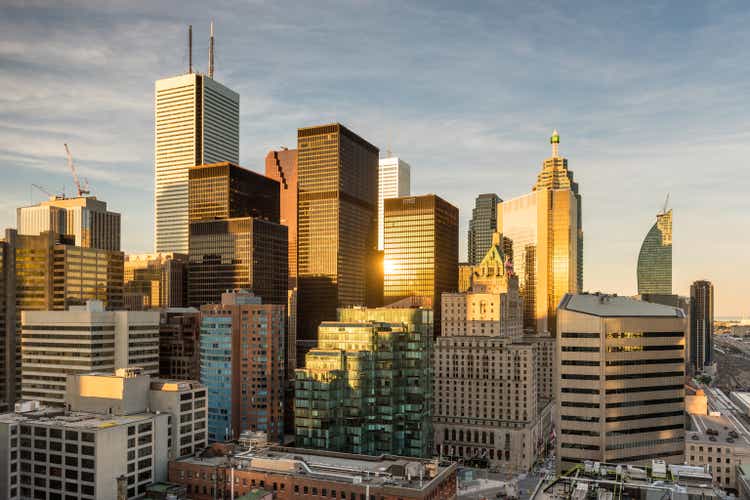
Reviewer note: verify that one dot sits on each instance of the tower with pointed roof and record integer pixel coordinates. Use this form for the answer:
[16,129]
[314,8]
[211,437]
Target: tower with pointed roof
[545,228]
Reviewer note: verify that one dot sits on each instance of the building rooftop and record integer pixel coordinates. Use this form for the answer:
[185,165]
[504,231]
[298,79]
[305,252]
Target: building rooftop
[598,304]
[383,470]
[56,417]
[715,429]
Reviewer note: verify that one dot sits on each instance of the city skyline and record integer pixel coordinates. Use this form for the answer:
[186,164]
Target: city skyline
[89,82]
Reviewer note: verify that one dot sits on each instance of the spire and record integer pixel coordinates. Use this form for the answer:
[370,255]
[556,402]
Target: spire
[555,141]
[211,52]
[190,48]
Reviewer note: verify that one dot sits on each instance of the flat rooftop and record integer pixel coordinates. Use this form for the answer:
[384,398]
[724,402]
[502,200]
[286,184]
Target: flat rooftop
[384,470]
[720,428]
[56,417]
[598,304]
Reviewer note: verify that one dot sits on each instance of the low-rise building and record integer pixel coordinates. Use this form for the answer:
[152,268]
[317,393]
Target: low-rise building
[716,442]
[294,473]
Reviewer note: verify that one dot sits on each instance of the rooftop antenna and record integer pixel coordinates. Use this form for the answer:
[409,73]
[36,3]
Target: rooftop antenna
[666,202]
[190,48]
[211,52]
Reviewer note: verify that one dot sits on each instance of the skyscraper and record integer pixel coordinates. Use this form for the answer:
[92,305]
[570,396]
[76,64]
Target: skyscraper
[620,372]
[236,240]
[701,325]
[421,250]
[482,226]
[197,122]
[337,235]
[155,280]
[242,366]
[655,257]
[85,218]
[281,166]
[394,181]
[547,240]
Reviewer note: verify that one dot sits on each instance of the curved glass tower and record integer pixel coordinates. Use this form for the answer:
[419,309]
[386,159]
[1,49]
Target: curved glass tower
[655,259]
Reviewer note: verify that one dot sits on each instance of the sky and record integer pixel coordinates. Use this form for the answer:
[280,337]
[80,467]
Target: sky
[649,98]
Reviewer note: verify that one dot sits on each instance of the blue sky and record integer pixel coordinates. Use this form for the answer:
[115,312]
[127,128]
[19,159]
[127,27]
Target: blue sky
[649,98]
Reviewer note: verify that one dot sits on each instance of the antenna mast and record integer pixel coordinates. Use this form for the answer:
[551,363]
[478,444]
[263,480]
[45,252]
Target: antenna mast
[211,52]
[190,48]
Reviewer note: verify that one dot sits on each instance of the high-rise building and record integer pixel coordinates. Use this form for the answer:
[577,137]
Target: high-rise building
[701,325]
[155,281]
[655,257]
[337,233]
[281,166]
[197,121]
[242,365]
[85,218]
[236,240]
[421,250]
[620,372]
[225,191]
[179,343]
[366,387]
[394,181]
[482,226]
[83,339]
[489,421]
[545,229]
[46,272]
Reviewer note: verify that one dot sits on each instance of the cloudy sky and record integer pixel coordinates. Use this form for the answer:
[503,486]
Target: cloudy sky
[649,98]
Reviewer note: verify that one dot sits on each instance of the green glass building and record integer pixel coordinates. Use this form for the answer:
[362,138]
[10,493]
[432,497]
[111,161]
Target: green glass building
[367,386]
[655,258]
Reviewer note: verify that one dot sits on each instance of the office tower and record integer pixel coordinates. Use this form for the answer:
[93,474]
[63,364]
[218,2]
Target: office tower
[197,121]
[179,343]
[337,233]
[545,229]
[482,226]
[655,257]
[242,365]
[225,191]
[366,387]
[620,368]
[394,181]
[488,421]
[46,272]
[281,166]
[155,281]
[421,250]
[80,340]
[701,325]
[7,317]
[85,218]
[236,240]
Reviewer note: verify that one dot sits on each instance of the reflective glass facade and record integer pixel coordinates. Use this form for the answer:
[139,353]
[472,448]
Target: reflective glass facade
[337,182]
[282,167]
[237,253]
[482,226]
[421,250]
[545,228]
[701,324]
[216,370]
[367,387]
[155,281]
[655,258]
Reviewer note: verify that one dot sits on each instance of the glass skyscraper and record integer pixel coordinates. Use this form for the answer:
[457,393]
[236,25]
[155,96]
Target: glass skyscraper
[655,258]
[545,227]
[482,226]
[421,250]
[337,231]
[701,324]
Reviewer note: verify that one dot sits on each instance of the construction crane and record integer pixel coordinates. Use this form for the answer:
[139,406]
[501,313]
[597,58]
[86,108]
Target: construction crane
[40,188]
[82,190]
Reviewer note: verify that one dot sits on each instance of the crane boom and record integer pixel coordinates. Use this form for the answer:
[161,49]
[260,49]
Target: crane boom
[82,190]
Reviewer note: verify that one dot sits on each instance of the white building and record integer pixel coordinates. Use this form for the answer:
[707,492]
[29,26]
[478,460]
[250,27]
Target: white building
[716,442]
[394,180]
[81,340]
[197,122]
[85,218]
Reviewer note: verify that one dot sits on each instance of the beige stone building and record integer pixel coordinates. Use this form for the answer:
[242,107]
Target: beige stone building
[620,373]
[487,404]
[715,441]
